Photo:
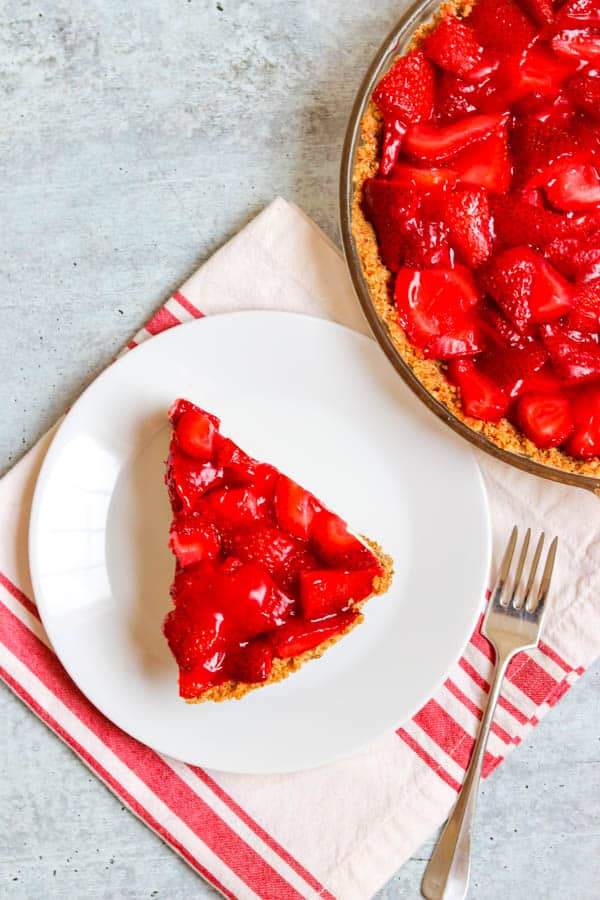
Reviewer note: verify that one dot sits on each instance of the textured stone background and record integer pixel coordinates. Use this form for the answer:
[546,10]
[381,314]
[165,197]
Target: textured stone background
[135,138]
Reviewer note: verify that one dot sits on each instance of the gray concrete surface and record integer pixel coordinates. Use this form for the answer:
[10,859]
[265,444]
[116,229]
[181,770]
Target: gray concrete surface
[136,138]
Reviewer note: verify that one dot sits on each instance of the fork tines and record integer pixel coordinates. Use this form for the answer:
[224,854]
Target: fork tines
[520,598]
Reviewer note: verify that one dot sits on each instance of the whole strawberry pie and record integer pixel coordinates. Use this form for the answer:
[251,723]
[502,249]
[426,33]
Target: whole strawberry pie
[477,220]
[266,577]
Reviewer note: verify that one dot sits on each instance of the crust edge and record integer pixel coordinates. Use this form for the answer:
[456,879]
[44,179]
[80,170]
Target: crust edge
[235,690]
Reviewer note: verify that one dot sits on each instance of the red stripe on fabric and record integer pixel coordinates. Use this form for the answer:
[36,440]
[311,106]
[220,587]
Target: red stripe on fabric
[527,675]
[132,344]
[189,307]
[248,865]
[483,645]
[504,703]
[474,674]
[447,733]
[111,781]
[261,833]
[476,711]
[555,657]
[560,691]
[161,321]
[429,760]
[15,592]
[513,710]
[490,764]
[580,670]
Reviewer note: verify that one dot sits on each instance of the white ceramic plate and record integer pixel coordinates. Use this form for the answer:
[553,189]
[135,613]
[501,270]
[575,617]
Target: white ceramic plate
[321,403]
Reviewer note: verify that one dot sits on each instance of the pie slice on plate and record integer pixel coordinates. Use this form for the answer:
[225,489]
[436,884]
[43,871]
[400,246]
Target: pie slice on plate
[266,576]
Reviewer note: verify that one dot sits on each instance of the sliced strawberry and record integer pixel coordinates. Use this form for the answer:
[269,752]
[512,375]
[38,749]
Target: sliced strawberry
[179,407]
[510,368]
[336,546]
[526,287]
[585,262]
[578,13]
[455,98]
[536,71]
[501,330]
[249,600]
[575,355]
[194,633]
[238,467]
[253,663]
[585,316]
[502,25]
[426,142]
[269,547]
[486,164]
[327,591]
[453,45]
[481,398]
[426,180]
[465,339]
[288,575]
[580,44]
[544,381]
[195,433]
[541,149]
[406,91]
[584,91]
[193,540]
[389,205]
[584,443]
[468,218]
[433,302]
[391,144]
[206,673]
[517,221]
[232,507]
[188,481]
[298,636]
[295,508]
[574,189]
[541,11]
[545,418]
[427,243]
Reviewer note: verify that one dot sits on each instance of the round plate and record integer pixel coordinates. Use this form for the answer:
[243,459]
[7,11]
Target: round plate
[321,403]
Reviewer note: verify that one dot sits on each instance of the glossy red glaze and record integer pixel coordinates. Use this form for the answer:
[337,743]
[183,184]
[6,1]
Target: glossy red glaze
[263,569]
[489,216]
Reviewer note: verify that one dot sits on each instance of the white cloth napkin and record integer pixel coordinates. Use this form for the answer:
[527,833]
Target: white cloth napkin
[341,830]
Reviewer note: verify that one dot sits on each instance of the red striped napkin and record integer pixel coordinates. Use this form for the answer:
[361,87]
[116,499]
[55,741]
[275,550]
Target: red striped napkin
[342,830]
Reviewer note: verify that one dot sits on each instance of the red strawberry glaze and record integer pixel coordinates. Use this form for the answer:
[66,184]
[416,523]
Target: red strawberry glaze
[263,569]
[487,212]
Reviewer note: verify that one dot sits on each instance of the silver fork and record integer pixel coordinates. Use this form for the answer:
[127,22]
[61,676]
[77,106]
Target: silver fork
[513,622]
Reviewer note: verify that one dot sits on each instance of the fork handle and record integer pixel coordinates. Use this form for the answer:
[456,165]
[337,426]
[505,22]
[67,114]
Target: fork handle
[447,874]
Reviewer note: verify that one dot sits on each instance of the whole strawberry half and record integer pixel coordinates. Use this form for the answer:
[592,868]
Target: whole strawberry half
[526,287]
[434,308]
[389,206]
[406,92]
[467,216]
[481,397]
[502,25]
[454,46]
[545,418]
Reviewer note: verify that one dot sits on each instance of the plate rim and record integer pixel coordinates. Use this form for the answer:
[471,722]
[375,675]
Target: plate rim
[33,538]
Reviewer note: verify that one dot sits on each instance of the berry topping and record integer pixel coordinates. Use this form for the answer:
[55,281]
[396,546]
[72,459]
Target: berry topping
[253,551]
[489,217]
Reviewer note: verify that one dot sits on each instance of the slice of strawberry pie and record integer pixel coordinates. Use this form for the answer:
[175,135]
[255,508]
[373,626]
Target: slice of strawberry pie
[266,576]
[476,219]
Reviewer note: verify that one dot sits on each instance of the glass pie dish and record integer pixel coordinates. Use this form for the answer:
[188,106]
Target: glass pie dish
[396,43]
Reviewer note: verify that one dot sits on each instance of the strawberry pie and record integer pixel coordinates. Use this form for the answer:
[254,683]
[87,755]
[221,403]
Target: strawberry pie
[477,220]
[266,576]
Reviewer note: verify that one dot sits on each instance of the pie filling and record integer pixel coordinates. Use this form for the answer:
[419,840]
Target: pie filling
[264,571]
[486,210]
